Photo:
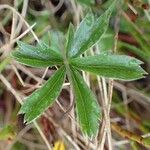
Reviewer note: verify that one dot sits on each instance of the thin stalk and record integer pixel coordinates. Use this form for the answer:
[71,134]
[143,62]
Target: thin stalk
[42,135]
[23,14]
[130,135]
[4,6]
[62,131]
[106,114]
[123,142]
[105,102]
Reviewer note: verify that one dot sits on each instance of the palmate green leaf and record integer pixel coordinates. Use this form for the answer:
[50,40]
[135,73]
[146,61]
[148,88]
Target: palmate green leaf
[88,110]
[112,66]
[44,97]
[37,56]
[89,32]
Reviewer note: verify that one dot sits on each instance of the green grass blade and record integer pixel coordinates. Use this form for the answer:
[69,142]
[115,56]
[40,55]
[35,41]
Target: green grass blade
[138,51]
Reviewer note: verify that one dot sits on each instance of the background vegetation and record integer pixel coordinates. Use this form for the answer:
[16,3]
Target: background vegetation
[127,126]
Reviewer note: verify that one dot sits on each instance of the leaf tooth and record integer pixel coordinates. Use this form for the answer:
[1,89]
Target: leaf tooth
[21,111]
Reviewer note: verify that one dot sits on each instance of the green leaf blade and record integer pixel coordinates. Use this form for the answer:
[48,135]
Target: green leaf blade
[111,66]
[40,56]
[90,31]
[44,97]
[82,35]
[70,36]
[86,105]
[52,38]
[55,38]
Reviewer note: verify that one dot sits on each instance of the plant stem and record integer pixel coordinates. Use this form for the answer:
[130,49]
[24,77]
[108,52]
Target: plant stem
[106,102]
[42,135]
[130,135]
[4,6]
[106,114]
